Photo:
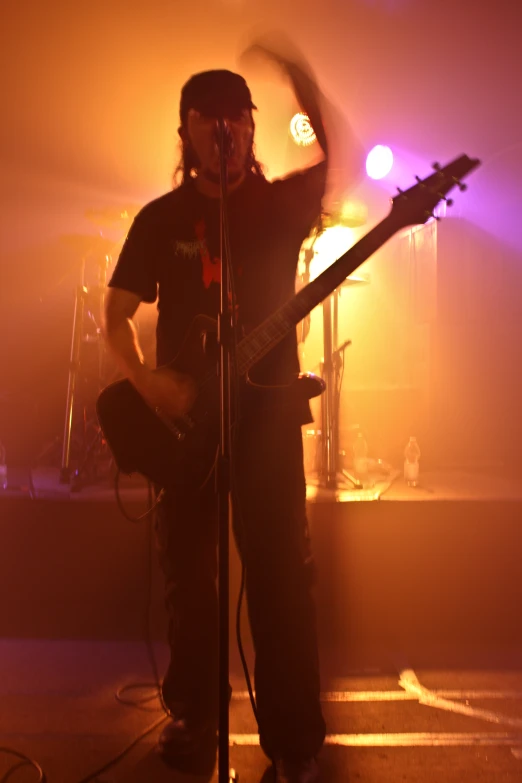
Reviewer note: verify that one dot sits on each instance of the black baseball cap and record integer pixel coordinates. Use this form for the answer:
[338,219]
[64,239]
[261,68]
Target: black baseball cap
[215,93]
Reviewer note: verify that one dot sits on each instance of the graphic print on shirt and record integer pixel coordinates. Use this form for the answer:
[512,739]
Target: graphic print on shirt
[187,249]
[211,266]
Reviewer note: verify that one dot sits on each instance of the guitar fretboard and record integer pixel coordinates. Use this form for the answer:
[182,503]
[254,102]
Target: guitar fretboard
[262,339]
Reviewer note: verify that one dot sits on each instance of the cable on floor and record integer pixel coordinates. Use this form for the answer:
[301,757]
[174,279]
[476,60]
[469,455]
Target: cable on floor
[23,761]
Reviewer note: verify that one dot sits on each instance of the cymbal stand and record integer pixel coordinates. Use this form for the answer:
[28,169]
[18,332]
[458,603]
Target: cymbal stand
[83,298]
[331,474]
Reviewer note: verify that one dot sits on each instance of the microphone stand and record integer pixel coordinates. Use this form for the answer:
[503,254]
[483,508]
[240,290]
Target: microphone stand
[225,341]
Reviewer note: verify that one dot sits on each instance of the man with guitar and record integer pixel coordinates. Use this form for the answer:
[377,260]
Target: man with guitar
[172,253]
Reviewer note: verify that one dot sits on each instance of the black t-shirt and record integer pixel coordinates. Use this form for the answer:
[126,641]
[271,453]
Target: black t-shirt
[172,253]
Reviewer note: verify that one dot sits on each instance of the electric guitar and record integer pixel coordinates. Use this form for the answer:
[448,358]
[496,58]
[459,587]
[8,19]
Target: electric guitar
[182,451]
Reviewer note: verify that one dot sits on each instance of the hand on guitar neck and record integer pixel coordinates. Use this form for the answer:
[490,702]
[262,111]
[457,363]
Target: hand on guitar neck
[174,393]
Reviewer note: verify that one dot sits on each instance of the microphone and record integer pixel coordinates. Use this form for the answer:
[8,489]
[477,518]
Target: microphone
[228,139]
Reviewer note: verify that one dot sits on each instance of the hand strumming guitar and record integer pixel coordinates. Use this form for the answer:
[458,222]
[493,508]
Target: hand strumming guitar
[174,393]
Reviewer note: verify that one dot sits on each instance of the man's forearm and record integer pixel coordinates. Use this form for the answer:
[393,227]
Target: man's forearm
[308,96]
[280,50]
[343,151]
[123,342]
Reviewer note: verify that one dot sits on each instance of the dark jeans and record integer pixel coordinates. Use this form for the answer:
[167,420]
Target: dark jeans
[272,534]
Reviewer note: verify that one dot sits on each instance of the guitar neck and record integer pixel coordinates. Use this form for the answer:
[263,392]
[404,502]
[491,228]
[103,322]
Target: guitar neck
[267,334]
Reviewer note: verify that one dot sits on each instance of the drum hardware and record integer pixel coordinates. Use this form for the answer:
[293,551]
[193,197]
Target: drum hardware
[329,474]
[81,424]
[88,309]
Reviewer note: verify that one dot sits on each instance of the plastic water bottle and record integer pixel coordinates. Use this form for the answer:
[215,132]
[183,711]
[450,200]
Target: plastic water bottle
[411,462]
[3,469]
[360,458]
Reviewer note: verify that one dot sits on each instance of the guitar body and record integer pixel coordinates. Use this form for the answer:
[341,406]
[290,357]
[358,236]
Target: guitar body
[181,451]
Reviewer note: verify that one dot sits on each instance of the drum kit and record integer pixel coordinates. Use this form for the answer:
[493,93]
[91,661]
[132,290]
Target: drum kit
[84,454]
[83,449]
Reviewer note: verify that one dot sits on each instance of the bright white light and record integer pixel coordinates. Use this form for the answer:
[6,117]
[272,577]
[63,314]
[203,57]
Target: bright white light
[301,130]
[379,162]
[329,247]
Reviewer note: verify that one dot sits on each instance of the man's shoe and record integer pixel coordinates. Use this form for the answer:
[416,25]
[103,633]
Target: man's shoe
[184,737]
[292,771]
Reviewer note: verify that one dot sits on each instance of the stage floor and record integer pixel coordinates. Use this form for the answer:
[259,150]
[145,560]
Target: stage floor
[418,599]
[58,706]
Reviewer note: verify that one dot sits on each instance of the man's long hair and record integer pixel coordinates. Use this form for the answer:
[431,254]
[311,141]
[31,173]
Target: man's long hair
[188,163]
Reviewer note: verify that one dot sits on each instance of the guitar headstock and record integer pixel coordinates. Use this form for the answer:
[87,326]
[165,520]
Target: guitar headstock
[416,205]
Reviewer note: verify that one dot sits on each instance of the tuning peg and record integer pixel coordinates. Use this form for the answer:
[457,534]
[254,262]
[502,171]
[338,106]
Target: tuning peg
[436,166]
[461,186]
[449,201]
